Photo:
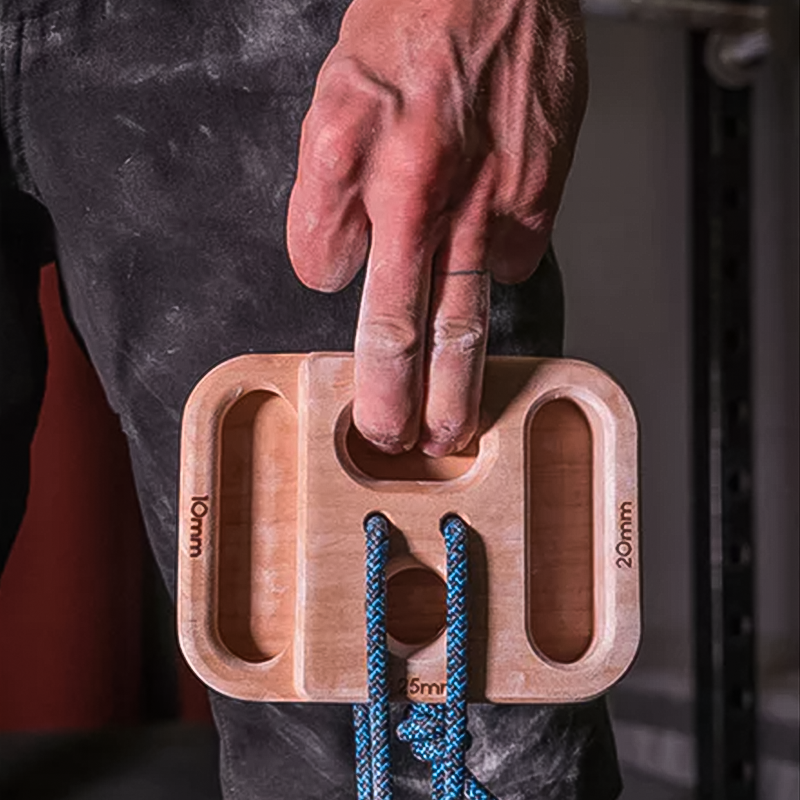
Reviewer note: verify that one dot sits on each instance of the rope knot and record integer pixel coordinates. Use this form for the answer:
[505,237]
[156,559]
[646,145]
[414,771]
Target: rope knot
[425,731]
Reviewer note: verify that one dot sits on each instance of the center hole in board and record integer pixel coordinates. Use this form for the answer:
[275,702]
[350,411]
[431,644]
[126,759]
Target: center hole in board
[416,606]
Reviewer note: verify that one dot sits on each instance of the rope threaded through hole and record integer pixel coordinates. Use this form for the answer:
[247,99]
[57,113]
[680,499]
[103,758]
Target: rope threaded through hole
[436,732]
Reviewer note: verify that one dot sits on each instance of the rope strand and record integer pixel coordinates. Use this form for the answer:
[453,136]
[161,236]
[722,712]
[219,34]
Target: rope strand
[374,765]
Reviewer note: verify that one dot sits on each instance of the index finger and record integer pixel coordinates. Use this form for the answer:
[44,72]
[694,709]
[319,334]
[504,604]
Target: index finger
[404,201]
[390,338]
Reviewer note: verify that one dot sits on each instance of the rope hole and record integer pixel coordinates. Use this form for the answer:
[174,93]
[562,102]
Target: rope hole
[370,515]
[452,516]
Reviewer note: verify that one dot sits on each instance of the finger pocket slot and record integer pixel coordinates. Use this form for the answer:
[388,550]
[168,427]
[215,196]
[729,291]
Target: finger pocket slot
[258,525]
[559,528]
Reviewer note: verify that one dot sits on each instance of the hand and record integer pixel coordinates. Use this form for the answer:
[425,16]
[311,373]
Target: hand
[442,131]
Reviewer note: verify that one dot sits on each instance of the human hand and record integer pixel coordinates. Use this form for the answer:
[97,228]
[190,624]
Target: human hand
[442,131]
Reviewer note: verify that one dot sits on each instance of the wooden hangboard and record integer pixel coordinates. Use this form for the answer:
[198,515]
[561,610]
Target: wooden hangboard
[276,484]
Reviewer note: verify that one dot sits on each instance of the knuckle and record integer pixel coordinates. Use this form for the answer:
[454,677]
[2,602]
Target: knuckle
[391,338]
[332,146]
[345,77]
[540,221]
[467,337]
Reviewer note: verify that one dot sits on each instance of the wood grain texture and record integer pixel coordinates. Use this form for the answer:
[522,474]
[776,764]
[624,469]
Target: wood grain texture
[258,526]
[271,590]
[559,526]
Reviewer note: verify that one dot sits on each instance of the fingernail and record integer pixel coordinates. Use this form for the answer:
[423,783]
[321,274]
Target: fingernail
[438,446]
[392,445]
[437,449]
[445,440]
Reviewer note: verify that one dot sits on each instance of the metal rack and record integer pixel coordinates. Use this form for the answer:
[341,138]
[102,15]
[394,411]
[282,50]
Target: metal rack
[725,686]
[728,42]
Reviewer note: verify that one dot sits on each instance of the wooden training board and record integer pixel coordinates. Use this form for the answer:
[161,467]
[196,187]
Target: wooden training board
[276,484]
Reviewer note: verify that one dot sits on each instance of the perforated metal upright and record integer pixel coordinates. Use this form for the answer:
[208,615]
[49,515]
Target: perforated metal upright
[725,709]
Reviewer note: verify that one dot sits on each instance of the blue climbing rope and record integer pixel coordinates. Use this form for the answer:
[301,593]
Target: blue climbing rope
[373,760]
[436,732]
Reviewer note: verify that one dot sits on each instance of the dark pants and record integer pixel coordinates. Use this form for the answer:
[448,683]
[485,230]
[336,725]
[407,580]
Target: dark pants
[150,147]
